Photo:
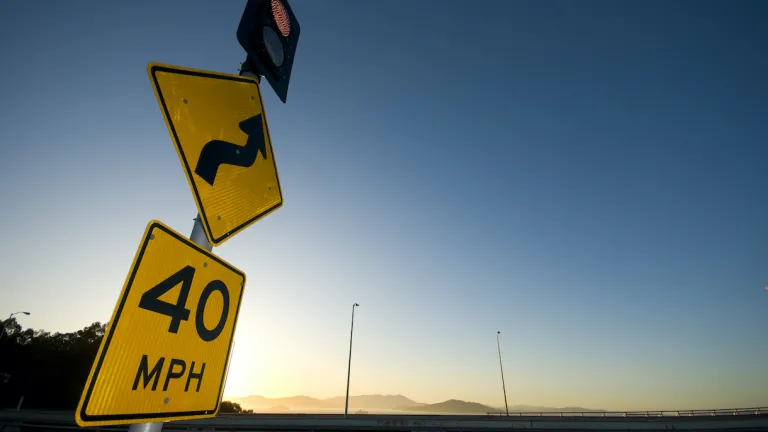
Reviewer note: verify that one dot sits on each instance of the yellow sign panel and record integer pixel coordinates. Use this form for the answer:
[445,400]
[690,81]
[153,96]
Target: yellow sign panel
[166,350]
[218,124]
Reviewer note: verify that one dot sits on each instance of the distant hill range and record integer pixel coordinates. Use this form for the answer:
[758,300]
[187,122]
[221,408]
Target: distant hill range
[455,406]
[374,401]
[535,409]
[383,402]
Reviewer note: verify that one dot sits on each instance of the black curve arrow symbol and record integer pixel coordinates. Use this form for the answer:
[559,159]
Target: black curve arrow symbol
[219,152]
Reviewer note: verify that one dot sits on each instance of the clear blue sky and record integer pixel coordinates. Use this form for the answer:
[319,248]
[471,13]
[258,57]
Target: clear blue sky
[590,178]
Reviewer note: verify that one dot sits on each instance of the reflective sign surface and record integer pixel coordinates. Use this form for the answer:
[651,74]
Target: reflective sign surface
[166,349]
[219,128]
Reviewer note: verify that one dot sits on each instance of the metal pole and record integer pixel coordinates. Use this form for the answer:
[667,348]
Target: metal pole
[349,365]
[198,237]
[503,386]
[247,70]
[2,331]
[146,427]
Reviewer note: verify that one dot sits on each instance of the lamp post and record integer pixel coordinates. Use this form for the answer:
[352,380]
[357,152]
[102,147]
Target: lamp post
[503,386]
[9,318]
[349,365]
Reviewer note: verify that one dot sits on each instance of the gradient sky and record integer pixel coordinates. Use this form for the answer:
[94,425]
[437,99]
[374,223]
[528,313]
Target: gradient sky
[587,177]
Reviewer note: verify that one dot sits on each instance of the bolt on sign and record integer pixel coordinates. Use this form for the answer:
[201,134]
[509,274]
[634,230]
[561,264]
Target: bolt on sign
[167,346]
[218,125]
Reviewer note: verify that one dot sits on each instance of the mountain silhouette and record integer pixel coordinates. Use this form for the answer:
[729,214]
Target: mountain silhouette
[452,406]
[374,401]
[535,409]
[294,402]
[305,402]
[455,406]
[384,402]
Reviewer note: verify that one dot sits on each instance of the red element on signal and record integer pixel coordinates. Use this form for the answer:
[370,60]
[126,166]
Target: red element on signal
[281,18]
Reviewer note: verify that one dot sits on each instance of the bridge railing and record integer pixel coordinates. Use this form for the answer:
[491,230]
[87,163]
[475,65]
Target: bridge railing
[740,419]
[645,414]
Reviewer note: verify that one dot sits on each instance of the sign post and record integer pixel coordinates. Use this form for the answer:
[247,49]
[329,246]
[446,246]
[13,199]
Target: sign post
[152,361]
[198,237]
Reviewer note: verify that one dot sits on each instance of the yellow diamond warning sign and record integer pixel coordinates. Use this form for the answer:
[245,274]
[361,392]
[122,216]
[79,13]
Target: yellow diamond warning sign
[166,350]
[219,128]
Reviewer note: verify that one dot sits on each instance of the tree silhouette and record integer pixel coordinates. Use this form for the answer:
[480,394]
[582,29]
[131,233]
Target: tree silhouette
[49,370]
[228,407]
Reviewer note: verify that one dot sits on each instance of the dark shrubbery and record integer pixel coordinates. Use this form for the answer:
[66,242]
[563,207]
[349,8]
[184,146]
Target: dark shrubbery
[49,370]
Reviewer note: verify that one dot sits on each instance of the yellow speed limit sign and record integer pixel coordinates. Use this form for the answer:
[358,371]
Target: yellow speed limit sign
[166,350]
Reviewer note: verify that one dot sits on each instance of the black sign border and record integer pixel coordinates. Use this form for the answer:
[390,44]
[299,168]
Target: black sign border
[154,69]
[86,418]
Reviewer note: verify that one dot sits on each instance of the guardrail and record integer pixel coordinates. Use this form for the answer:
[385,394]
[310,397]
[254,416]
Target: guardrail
[717,420]
[661,413]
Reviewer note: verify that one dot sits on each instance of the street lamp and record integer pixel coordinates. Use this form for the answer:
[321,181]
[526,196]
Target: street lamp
[349,365]
[503,386]
[9,318]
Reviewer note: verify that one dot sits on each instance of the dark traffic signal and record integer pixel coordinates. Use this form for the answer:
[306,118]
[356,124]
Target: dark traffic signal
[269,33]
